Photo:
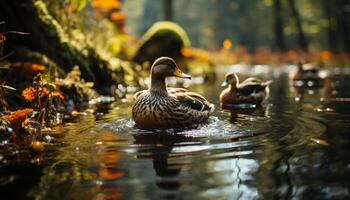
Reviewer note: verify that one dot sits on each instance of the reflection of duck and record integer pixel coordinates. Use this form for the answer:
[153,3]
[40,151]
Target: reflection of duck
[250,91]
[336,95]
[336,85]
[234,114]
[306,76]
[161,107]
[306,94]
[162,145]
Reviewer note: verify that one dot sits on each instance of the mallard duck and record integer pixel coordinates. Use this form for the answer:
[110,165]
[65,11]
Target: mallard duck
[251,91]
[305,73]
[160,107]
[306,76]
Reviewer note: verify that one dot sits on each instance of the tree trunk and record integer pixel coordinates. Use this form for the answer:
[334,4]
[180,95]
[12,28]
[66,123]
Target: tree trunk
[278,25]
[345,24]
[168,10]
[301,36]
[338,24]
[332,42]
[47,37]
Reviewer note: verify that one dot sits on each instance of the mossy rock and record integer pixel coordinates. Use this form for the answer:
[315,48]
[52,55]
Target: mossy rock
[48,37]
[164,38]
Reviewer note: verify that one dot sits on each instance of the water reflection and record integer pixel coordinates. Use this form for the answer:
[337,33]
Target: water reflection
[301,92]
[161,155]
[106,171]
[282,150]
[235,114]
[227,178]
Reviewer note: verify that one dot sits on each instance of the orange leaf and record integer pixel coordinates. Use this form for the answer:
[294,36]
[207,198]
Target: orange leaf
[17,118]
[326,55]
[58,94]
[320,141]
[106,4]
[227,44]
[109,174]
[28,94]
[2,37]
[187,52]
[117,16]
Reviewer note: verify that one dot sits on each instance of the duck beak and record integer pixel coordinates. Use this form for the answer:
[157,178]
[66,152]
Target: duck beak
[179,73]
[224,84]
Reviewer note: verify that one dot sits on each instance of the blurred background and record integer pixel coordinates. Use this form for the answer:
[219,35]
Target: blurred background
[273,24]
[213,32]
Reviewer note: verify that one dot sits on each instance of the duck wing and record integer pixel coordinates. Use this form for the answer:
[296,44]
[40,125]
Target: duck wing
[193,100]
[172,90]
[252,85]
[310,72]
[139,93]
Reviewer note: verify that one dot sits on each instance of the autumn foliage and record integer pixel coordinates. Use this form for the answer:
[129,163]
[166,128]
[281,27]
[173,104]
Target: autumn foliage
[17,118]
[106,5]
[29,94]
[2,37]
[112,10]
[240,54]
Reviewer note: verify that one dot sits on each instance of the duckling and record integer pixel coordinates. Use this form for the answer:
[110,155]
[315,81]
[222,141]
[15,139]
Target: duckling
[251,91]
[160,107]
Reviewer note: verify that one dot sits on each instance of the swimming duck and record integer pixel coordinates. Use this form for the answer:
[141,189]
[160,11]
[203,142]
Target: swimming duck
[251,91]
[306,76]
[160,107]
[305,73]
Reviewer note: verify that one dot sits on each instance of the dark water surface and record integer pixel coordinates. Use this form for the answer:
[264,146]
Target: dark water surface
[296,146]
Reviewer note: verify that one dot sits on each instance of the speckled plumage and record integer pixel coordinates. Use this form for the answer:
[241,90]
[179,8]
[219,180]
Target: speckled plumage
[161,107]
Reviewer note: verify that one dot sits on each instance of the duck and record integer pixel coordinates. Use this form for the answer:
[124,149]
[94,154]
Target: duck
[162,107]
[252,91]
[305,73]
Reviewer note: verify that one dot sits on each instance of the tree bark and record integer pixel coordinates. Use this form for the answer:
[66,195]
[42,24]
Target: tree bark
[338,24]
[278,25]
[332,42]
[168,10]
[47,37]
[345,24]
[301,36]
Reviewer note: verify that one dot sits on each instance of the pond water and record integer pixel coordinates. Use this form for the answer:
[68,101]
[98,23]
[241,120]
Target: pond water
[296,146]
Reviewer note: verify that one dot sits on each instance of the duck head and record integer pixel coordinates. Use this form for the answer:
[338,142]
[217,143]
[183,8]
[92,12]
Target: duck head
[231,79]
[161,68]
[300,65]
[165,67]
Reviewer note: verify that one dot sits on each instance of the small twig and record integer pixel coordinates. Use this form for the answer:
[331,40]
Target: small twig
[6,56]
[17,32]
[8,87]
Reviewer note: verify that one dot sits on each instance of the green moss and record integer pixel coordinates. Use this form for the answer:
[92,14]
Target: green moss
[55,28]
[4,126]
[68,50]
[167,27]
[162,39]
[62,45]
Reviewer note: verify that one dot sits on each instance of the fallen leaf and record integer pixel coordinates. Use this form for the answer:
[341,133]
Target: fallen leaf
[320,141]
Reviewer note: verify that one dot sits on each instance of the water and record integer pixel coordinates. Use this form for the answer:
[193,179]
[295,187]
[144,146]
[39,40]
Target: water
[295,146]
